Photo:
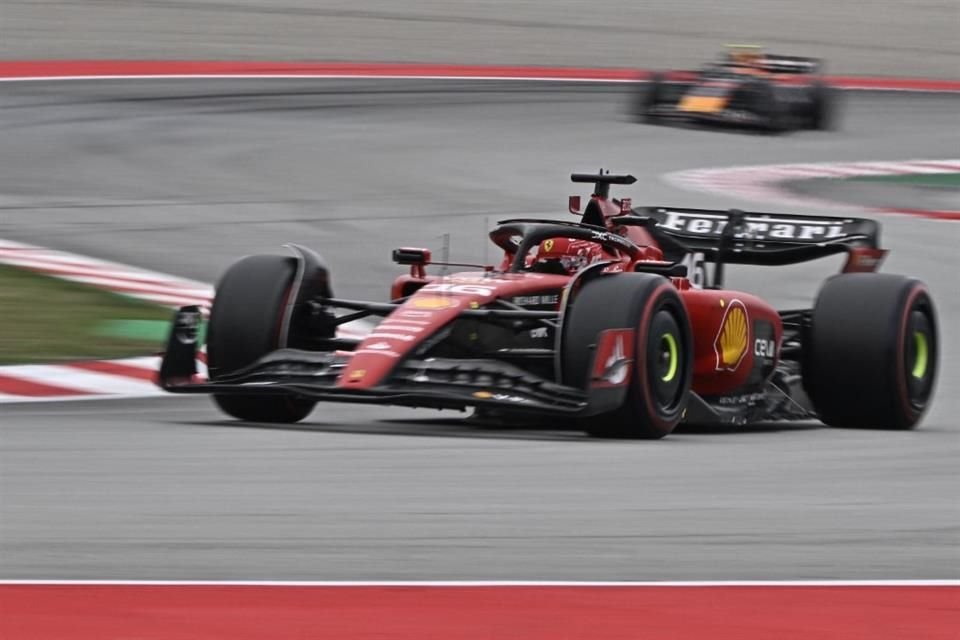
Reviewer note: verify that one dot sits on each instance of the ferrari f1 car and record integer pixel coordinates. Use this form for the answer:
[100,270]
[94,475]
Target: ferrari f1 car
[746,88]
[599,322]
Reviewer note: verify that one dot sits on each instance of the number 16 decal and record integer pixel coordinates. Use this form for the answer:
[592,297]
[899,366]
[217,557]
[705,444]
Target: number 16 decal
[696,269]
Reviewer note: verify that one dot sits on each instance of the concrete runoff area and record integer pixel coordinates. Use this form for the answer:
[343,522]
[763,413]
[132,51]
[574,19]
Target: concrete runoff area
[924,192]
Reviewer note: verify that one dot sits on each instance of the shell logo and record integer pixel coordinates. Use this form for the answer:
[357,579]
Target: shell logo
[733,337]
[432,302]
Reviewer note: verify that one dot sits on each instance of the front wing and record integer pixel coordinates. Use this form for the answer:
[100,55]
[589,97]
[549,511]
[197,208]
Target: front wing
[739,117]
[441,383]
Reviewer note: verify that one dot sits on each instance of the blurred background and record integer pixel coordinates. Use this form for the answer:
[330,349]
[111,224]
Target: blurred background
[877,37]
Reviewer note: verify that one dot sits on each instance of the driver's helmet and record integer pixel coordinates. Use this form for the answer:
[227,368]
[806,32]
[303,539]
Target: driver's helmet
[742,55]
[565,256]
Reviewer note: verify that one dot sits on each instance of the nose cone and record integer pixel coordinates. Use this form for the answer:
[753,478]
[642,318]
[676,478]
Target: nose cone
[702,104]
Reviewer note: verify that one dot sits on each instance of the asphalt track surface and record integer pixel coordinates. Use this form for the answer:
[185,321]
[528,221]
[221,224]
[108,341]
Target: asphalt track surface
[185,176]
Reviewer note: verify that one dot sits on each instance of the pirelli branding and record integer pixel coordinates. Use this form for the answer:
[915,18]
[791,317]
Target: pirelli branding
[755,227]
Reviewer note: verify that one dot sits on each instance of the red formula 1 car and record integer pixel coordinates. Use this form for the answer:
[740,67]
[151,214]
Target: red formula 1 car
[747,88]
[596,322]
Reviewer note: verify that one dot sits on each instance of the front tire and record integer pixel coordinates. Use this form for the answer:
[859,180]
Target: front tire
[244,326]
[762,100]
[648,96]
[821,107]
[659,378]
[871,353]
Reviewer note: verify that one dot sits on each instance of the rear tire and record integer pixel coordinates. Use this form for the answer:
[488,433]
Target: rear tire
[871,352]
[662,358]
[245,326]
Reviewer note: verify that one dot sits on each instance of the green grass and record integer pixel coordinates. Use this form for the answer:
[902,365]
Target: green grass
[941,180]
[44,319]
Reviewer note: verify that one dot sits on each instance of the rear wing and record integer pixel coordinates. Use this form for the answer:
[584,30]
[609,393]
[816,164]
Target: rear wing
[790,64]
[749,237]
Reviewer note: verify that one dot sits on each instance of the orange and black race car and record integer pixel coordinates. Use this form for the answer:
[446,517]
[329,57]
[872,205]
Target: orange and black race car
[746,88]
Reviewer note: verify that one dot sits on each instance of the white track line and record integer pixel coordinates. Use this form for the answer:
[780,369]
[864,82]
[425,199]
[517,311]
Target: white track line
[337,76]
[851,86]
[494,583]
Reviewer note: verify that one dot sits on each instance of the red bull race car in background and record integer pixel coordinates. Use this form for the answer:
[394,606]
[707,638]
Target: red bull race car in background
[746,88]
[618,322]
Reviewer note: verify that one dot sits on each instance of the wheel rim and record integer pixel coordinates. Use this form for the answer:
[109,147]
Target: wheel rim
[920,355]
[920,360]
[664,356]
[669,354]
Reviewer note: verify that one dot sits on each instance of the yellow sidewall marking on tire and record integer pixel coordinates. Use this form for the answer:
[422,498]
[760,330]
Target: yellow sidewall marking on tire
[674,360]
[923,354]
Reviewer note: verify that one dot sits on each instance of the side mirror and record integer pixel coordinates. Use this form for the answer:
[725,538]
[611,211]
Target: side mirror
[411,256]
[573,205]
